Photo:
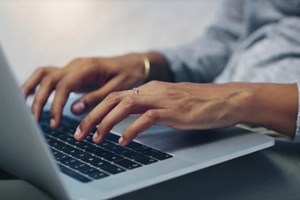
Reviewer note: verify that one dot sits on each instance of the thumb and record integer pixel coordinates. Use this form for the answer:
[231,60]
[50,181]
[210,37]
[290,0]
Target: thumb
[86,102]
[92,99]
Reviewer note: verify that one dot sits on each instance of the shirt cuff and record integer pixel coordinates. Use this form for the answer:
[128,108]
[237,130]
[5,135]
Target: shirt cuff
[297,134]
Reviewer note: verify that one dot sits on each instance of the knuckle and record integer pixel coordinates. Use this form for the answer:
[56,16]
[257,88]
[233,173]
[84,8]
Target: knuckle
[61,85]
[156,84]
[48,80]
[43,70]
[129,101]
[152,115]
[91,60]
[153,83]
[88,122]
[113,96]
[35,105]
[183,84]
[40,71]
[92,99]
[106,124]
[57,106]
[77,60]
[36,108]
[89,119]
[37,100]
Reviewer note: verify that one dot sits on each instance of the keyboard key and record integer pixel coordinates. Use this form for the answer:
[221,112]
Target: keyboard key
[83,145]
[98,151]
[81,155]
[113,138]
[141,148]
[74,174]
[112,169]
[98,175]
[79,166]
[106,144]
[157,154]
[133,144]
[55,143]
[71,141]
[145,160]
[94,161]
[50,140]
[64,148]
[68,129]
[62,136]
[133,155]
[60,156]
[69,122]
[46,116]
[74,152]
[88,170]
[45,128]
[123,151]
[128,164]
[112,157]
[70,162]
[89,139]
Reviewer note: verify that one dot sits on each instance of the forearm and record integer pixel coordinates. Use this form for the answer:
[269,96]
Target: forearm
[274,106]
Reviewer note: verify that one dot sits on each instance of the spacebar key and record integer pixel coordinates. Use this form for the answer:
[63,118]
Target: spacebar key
[73,174]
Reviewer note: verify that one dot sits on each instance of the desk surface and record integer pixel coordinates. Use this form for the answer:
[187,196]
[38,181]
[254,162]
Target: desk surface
[269,174]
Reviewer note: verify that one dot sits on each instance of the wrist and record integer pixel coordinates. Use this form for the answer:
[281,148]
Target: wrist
[248,104]
[273,106]
[158,67]
[240,101]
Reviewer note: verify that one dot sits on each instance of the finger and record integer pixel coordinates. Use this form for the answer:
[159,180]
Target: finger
[129,105]
[148,119]
[32,82]
[62,93]
[90,100]
[97,114]
[46,87]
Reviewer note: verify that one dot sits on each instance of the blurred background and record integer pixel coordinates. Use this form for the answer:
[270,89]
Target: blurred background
[40,33]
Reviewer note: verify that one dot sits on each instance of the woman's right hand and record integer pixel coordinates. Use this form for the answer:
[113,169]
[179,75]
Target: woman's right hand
[97,77]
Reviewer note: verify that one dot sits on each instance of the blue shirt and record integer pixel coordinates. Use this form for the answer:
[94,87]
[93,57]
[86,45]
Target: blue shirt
[250,40]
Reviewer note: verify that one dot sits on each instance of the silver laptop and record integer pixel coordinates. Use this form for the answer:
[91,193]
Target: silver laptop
[54,162]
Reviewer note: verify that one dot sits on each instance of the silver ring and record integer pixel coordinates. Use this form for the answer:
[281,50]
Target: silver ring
[136,91]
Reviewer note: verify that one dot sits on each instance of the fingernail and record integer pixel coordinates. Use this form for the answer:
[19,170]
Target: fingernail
[122,141]
[79,106]
[77,133]
[96,136]
[52,123]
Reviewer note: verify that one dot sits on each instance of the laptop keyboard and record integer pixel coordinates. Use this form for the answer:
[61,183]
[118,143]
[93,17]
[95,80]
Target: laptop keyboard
[86,161]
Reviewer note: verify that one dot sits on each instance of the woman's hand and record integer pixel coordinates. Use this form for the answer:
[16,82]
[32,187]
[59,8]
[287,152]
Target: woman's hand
[179,105]
[97,77]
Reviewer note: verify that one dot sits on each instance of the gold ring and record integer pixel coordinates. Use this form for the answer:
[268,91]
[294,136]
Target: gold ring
[136,91]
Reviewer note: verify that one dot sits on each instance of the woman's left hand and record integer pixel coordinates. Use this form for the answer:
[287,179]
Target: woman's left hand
[178,105]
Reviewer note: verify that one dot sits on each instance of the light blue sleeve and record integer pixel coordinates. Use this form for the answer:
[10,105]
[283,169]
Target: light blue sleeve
[297,134]
[204,59]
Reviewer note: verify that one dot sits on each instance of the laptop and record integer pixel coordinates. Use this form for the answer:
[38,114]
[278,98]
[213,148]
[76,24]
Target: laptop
[65,169]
